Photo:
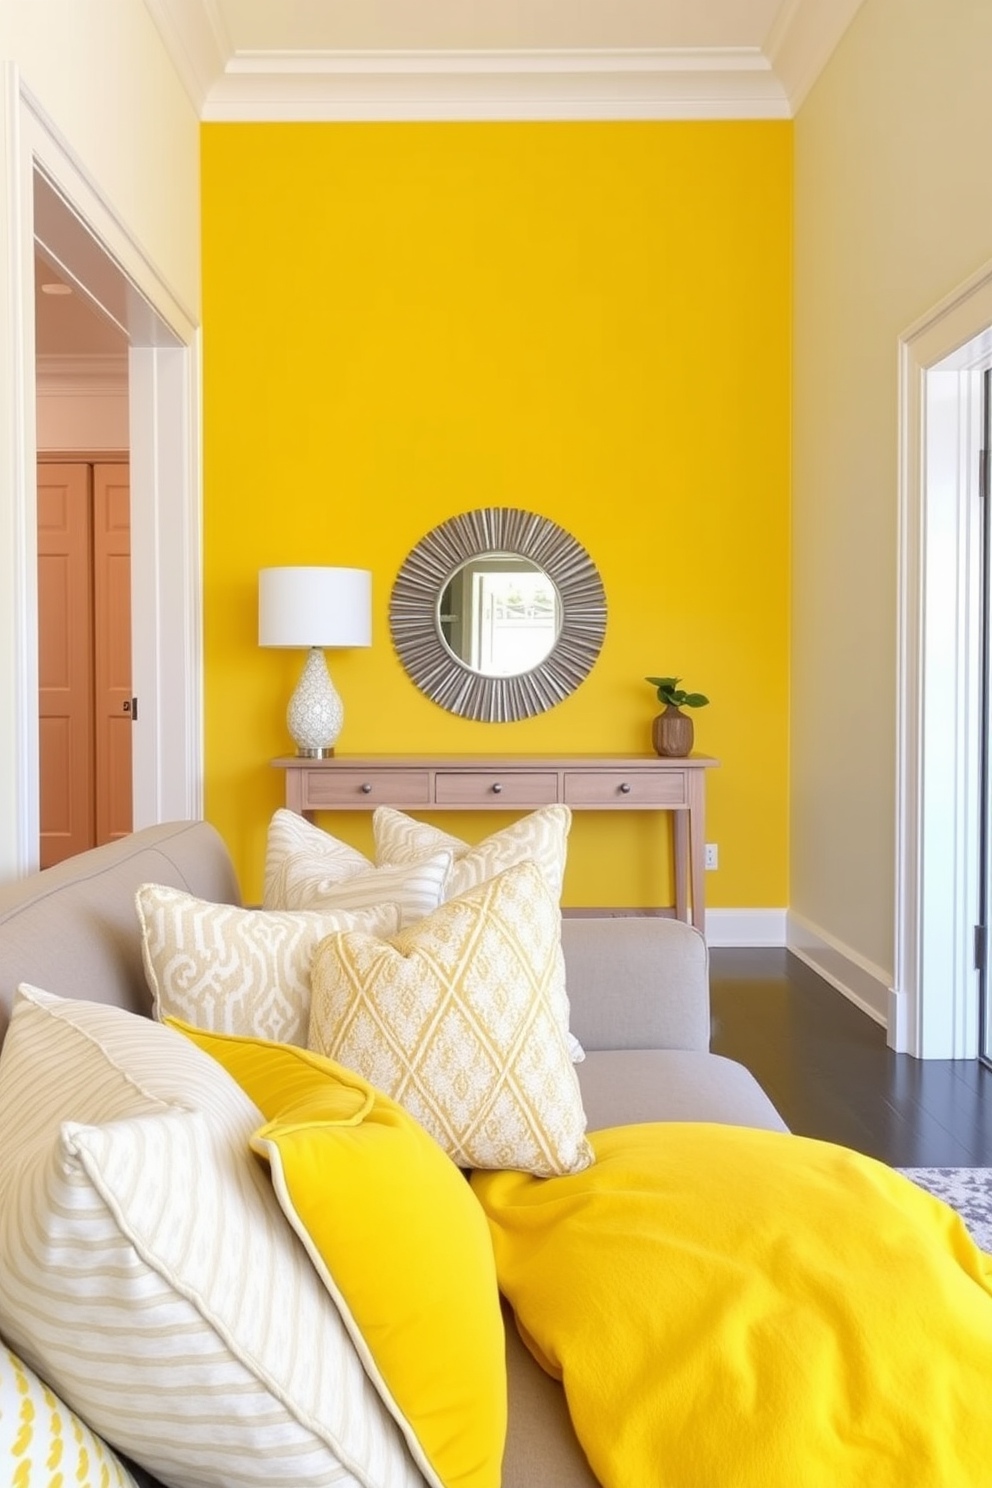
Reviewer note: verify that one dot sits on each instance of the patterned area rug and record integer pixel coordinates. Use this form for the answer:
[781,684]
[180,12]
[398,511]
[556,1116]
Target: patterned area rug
[968,1190]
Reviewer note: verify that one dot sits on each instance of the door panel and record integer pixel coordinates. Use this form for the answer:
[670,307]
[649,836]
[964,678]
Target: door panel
[112,649]
[65,665]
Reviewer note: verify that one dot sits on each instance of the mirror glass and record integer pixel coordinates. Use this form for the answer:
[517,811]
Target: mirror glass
[499,614]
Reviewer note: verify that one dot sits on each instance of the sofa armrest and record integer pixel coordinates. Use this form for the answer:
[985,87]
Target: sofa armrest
[637,982]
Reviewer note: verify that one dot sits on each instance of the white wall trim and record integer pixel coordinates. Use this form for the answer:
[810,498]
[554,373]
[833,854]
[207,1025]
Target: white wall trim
[745,927]
[19,811]
[46,191]
[861,981]
[934,1005]
[81,376]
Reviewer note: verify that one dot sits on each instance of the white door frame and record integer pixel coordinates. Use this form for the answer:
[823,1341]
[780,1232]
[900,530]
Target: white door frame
[47,194]
[933,1008]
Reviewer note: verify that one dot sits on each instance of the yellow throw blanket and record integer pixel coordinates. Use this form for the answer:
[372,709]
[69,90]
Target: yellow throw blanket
[730,1308]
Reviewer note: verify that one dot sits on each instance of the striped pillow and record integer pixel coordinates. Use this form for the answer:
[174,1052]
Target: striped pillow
[541,836]
[288,834]
[306,868]
[149,1273]
[41,1441]
[242,971]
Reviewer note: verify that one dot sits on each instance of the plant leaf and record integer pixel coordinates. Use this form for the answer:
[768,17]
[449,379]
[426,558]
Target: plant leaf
[694,700]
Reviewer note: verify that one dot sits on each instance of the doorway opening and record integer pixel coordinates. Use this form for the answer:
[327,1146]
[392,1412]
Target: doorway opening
[935,1000]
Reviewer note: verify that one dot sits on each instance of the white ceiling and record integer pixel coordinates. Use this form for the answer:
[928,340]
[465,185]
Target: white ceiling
[499,59]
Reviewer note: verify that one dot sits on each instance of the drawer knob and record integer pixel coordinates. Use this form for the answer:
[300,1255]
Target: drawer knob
[497,788]
[366,788]
[625,788]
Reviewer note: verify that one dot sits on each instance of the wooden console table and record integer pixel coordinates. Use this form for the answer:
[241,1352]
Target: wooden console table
[469,782]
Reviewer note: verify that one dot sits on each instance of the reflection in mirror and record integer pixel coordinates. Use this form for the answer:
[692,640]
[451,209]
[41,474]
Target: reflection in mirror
[499,614]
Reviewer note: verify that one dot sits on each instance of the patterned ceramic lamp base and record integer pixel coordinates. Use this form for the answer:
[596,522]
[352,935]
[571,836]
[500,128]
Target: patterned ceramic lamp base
[316,712]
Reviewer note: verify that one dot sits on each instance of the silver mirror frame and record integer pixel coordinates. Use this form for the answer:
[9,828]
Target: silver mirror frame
[413,609]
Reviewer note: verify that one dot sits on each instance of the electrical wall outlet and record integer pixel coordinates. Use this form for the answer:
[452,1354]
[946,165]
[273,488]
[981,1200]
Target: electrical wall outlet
[712,859]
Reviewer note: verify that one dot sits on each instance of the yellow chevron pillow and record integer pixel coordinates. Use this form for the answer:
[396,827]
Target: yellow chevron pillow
[238,970]
[400,1242]
[42,1442]
[458,1018]
[542,836]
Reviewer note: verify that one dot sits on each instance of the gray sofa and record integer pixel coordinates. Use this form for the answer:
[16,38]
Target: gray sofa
[639,996]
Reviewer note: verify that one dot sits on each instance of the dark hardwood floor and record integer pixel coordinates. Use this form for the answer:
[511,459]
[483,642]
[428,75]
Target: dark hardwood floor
[827,1068]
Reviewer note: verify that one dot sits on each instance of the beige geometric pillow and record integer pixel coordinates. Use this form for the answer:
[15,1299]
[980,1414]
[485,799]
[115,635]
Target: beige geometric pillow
[149,1273]
[541,836]
[241,971]
[459,1019]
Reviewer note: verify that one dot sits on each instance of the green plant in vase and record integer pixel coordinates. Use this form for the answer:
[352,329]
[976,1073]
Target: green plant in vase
[672,731]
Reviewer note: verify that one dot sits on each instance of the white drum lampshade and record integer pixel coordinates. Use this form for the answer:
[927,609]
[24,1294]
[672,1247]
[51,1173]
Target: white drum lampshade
[312,608]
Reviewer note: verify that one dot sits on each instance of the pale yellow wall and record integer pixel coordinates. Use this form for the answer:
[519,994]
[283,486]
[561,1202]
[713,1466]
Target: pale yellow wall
[102,76]
[893,209]
[592,321]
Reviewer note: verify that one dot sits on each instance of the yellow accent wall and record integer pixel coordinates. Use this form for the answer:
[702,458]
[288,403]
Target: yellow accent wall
[403,322]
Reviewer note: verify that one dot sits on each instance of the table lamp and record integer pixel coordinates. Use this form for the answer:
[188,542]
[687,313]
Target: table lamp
[314,608]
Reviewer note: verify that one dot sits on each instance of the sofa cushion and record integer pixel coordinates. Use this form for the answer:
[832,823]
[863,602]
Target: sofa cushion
[289,834]
[42,1441]
[244,971]
[460,1018]
[399,1241]
[149,1273]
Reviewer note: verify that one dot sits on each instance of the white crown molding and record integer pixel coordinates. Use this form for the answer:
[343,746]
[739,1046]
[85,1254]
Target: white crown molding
[675,84]
[81,376]
[804,36]
[749,82]
[196,40]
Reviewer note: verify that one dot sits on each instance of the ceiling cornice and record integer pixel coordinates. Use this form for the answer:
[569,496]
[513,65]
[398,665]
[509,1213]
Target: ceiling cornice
[661,83]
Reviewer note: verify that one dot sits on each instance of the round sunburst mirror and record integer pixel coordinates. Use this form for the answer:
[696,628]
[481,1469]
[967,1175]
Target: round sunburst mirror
[498,614]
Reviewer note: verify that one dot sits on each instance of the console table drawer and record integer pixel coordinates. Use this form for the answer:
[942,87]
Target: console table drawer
[365,789]
[606,788]
[490,788]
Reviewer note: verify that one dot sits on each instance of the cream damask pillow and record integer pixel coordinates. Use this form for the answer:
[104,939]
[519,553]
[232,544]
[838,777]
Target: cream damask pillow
[541,836]
[242,971]
[459,1019]
[149,1274]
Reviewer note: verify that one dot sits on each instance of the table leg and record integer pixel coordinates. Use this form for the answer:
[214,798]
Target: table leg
[697,846]
[680,836]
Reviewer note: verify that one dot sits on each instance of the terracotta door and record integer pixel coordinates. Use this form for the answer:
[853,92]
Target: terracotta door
[84,655]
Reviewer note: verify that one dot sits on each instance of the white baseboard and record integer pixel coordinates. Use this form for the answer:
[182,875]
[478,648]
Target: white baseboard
[745,927]
[860,980]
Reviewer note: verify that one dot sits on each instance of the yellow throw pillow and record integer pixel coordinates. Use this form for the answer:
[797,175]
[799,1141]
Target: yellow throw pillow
[754,1310]
[542,836]
[459,1019]
[399,1241]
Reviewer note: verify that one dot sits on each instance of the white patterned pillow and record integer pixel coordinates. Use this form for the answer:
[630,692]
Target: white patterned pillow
[414,888]
[149,1274]
[43,1442]
[542,836]
[289,834]
[459,1019]
[242,971]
